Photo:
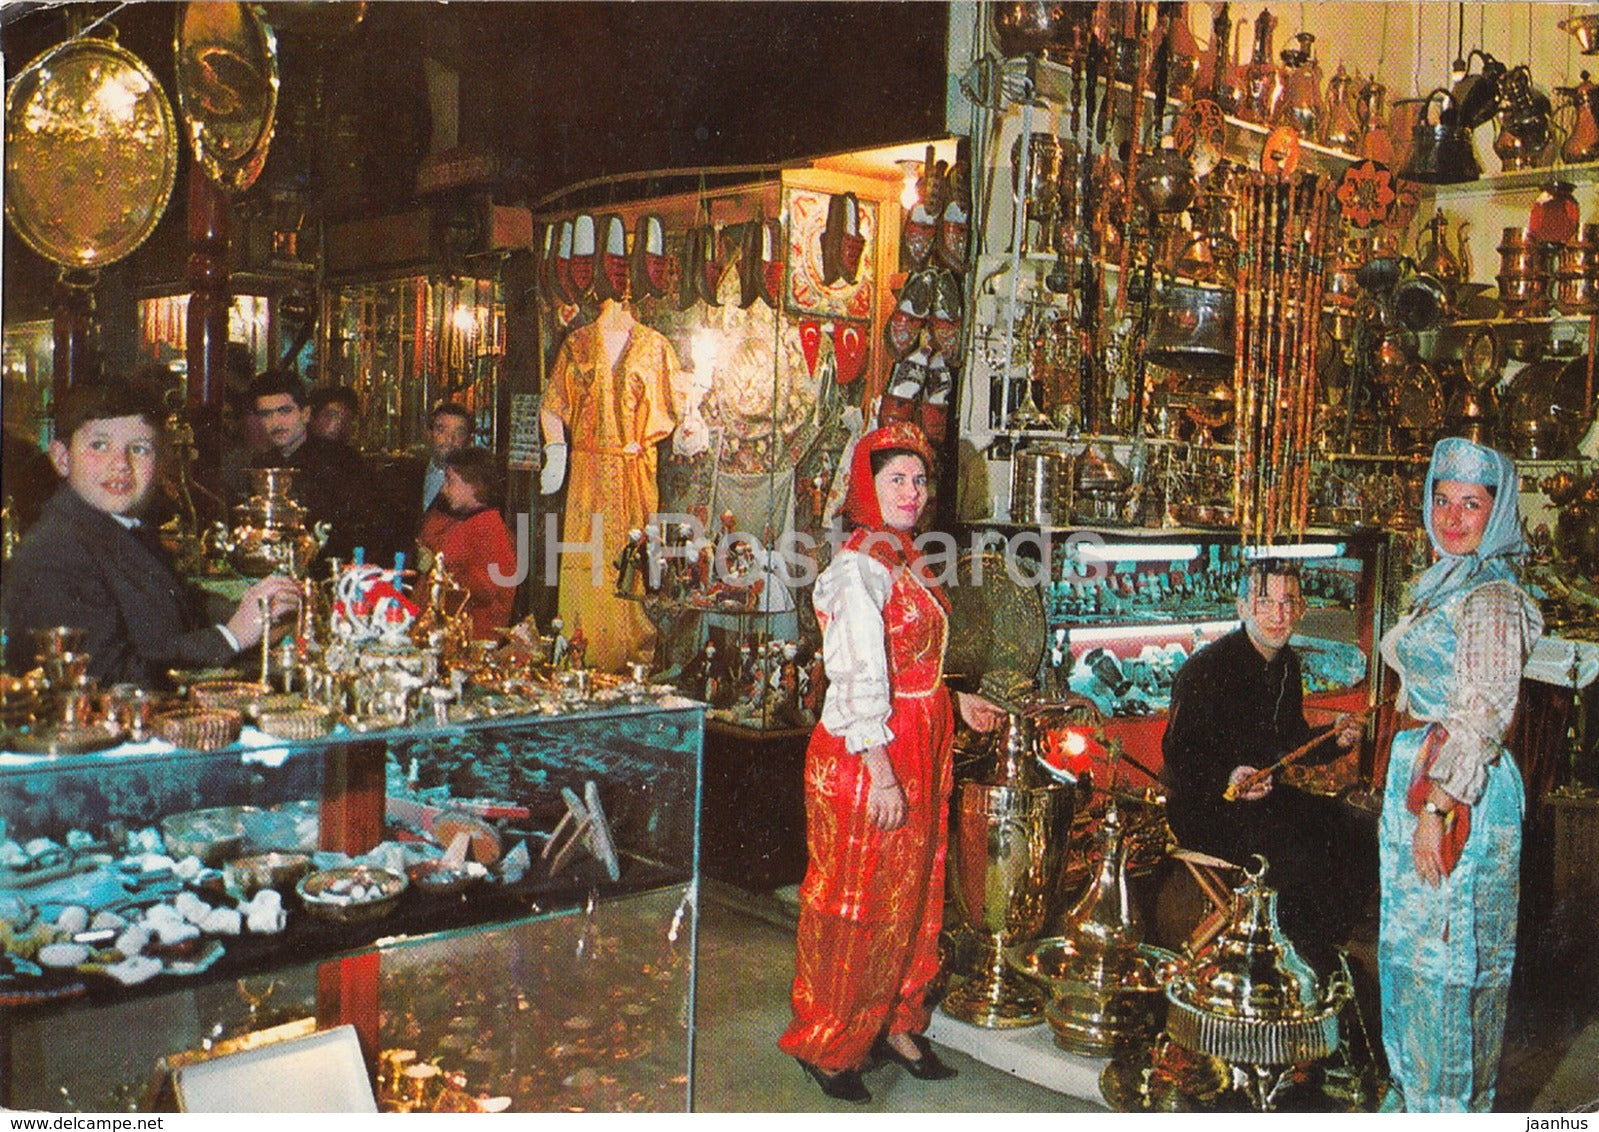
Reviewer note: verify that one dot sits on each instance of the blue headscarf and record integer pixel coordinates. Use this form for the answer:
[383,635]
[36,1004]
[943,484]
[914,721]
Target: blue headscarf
[1502,545]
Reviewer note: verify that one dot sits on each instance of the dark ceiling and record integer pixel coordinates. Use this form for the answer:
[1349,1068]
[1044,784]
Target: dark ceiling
[559,92]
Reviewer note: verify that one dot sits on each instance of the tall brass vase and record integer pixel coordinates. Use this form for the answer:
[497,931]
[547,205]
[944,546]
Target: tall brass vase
[1005,864]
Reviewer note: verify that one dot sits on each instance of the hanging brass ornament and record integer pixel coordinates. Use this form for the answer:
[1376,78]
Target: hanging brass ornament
[91,153]
[227,68]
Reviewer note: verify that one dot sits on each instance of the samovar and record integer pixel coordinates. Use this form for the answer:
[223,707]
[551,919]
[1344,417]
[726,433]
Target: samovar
[1248,999]
[269,533]
[1105,983]
[1005,861]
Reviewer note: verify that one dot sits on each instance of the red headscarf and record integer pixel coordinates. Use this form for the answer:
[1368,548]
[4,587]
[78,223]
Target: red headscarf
[860,499]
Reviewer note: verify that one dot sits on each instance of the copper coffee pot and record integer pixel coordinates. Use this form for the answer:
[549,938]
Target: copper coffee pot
[1582,140]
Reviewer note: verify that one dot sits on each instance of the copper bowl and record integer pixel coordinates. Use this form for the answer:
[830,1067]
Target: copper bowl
[352,894]
[249,875]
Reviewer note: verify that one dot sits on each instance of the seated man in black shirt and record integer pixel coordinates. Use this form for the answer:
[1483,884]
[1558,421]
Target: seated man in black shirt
[91,563]
[1237,706]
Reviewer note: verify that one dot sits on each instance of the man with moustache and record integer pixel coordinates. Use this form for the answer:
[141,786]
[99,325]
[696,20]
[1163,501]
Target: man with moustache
[92,563]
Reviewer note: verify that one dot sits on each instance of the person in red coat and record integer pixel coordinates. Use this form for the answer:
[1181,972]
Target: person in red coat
[464,526]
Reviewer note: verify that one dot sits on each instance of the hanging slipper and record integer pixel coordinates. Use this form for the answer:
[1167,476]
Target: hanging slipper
[581,269]
[953,240]
[612,268]
[688,270]
[749,262]
[832,240]
[710,263]
[921,230]
[905,322]
[851,244]
[651,268]
[946,321]
[562,273]
[933,412]
[772,248]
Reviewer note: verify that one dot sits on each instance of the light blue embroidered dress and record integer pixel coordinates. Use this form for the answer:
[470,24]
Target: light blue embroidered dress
[1445,953]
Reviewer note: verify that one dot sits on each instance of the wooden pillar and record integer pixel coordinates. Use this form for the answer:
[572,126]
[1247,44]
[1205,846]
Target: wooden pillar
[353,796]
[76,358]
[347,992]
[209,299]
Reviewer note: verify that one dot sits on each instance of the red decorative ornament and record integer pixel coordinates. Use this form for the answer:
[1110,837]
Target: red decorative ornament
[1366,194]
[810,334]
[849,351]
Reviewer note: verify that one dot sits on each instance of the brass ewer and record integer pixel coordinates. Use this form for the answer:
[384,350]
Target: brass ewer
[1005,860]
[1104,982]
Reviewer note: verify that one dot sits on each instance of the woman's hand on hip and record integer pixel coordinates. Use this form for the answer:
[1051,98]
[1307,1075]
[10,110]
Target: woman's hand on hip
[885,798]
[1426,847]
[978,713]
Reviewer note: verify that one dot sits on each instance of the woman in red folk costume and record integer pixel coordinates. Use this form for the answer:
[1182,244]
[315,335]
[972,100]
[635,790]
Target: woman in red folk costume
[877,784]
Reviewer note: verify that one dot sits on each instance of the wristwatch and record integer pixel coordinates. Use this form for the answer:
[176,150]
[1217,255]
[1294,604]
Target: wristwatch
[1431,807]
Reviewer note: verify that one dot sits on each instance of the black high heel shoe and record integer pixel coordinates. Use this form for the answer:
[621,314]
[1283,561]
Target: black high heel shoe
[925,1067]
[845,1085]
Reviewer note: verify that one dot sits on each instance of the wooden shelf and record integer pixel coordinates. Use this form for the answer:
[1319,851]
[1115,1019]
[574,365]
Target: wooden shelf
[1502,182]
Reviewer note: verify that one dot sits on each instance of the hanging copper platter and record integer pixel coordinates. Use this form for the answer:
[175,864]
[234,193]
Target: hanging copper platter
[996,623]
[91,153]
[227,65]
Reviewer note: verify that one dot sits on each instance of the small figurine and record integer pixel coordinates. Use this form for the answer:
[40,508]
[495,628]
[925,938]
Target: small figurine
[632,564]
[562,646]
[577,648]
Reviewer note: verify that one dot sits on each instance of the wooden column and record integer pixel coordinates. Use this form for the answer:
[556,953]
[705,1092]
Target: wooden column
[76,357]
[209,299]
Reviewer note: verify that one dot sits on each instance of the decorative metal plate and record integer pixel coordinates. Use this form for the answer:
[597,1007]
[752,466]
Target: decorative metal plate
[91,152]
[227,64]
[995,625]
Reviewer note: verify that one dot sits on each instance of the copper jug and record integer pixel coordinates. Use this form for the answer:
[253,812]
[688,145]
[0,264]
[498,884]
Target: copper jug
[1232,90]
[1262,84]
[1377,131]
[1434,256]
[1526,119]
[1341,129]
[1299,103]
[1441,152]
[1216,59]
[1183,69]
[1582,141]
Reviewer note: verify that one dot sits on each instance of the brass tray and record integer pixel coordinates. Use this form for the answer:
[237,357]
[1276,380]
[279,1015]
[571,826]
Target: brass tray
[61,741]
[997,625]
[91,153]
[227,69]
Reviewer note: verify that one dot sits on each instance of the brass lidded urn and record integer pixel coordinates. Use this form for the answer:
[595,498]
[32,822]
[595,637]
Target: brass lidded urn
[1006,856]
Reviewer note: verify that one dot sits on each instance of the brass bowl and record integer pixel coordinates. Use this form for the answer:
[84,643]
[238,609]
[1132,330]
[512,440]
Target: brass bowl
[441,878]
[249,875]
[213,835]
[194,729]
[227,695]
[297,724]
[352,894]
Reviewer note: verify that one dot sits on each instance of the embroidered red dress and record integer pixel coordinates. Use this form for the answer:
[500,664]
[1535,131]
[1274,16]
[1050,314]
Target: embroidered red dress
[871,905]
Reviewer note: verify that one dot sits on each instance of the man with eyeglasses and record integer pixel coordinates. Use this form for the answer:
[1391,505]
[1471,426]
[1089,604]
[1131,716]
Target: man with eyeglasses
[1236,707]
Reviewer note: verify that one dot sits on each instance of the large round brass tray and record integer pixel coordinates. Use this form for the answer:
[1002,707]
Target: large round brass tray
[995,621]
[227,89]
[91,152]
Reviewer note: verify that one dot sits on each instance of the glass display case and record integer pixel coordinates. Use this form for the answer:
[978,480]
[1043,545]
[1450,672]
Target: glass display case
[1125,607]
[138,886]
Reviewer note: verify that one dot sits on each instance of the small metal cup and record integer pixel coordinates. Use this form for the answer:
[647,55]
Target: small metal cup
[131,709]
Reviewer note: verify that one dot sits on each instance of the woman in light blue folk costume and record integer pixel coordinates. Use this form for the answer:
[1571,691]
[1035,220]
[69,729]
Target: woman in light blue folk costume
[1450,836]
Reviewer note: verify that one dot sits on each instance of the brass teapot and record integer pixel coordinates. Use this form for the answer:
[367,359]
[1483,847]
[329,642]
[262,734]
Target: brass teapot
[269,533]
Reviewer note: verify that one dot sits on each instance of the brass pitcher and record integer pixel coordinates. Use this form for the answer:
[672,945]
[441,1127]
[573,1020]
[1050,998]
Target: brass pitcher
[1300,104]
[1341,129]
[1582,140]
[1435,257]
[1262,83]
